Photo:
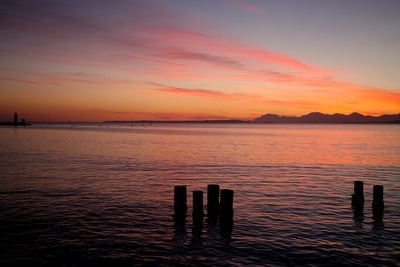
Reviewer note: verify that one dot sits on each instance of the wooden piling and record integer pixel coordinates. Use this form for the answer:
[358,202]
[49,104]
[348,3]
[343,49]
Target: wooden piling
[226,208]
[359,188]
[357,199]
[377,202]
[212,201]
[198,213]
[180,202]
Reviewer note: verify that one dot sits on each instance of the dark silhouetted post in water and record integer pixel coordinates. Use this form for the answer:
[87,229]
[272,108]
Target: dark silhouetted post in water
[212,201]
[180,203]
[377,202]
[15,119]
[226,208]
[357,199]
[198,213]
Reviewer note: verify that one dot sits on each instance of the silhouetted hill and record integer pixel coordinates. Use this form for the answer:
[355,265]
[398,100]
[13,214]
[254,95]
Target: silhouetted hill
[317,117]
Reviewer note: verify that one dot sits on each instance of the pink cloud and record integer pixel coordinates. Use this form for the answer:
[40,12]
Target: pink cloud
[219,51]
[136,39]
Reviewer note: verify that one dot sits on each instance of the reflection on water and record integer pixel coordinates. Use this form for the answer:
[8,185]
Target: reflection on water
[180,231]
[89,195]
[197,231]
[359,222]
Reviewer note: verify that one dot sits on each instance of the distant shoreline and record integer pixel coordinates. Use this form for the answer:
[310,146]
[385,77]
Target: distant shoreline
[242,122]
[311,118]
[12,124]
[186,121]
[149,123]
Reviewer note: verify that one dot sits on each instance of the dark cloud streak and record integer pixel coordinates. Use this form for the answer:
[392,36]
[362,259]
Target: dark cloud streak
[208,58]
[203,93]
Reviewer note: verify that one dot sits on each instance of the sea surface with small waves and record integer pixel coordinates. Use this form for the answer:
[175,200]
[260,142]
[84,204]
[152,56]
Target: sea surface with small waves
[103,194]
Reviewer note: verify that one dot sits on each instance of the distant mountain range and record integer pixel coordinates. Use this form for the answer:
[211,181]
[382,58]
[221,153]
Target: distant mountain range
[317,117]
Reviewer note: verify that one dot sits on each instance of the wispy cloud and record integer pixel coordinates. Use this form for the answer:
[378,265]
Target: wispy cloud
[133,35]
[204,57]
[180,116]
[27,81]
[88,78]
[203,93]
[246,6]
[73,77]
[221,50]
[381,95]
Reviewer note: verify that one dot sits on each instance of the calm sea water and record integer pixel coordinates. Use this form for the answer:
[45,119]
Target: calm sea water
[103,195]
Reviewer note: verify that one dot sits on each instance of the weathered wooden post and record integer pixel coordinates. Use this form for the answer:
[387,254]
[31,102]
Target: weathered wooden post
[226,208]
[198,213]
[180,203]
[377,202]
[15,119]
[212,201]
[357,199]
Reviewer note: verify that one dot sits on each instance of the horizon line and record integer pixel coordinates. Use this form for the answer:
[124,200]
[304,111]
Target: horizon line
[226,120]
[203,120]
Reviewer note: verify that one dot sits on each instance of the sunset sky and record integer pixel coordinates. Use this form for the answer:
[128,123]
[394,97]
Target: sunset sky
[102,60]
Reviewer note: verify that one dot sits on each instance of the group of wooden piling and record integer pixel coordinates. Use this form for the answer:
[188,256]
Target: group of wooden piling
[357,199]
[222,208]
[217,208]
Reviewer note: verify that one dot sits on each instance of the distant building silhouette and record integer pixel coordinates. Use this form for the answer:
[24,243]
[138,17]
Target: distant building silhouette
[15,122]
